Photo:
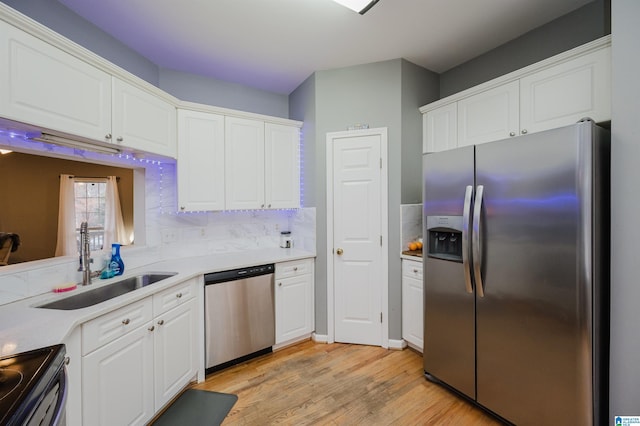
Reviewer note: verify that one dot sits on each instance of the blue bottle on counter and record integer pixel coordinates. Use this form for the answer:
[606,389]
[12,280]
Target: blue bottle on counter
[116,265]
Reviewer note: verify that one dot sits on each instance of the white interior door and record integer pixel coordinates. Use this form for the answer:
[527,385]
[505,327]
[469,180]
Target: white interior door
[358,210]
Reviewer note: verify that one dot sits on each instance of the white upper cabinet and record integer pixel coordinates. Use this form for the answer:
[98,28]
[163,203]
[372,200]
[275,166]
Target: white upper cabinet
[555,92]
[47,87]
[489,115]
[566,93]
[142,120]
[244,163]
[200,165]
[282,166]
[441,128]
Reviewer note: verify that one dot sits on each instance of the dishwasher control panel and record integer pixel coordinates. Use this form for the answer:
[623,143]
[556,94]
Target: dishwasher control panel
[238,274]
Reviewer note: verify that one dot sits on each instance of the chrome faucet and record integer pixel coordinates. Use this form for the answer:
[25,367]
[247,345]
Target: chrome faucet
[85,254]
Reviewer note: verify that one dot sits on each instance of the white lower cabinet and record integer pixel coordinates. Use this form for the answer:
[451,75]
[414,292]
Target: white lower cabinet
[117,381]
[136,371]
[412,304]
[174,351]
[294,300]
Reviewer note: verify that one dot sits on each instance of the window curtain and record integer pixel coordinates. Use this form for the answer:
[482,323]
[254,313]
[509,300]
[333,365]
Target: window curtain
[66,244]
[114,231]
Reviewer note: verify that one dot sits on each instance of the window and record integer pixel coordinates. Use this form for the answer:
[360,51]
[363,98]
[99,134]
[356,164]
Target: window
[90,198]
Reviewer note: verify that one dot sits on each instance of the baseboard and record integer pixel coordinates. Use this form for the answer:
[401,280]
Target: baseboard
[397,344]
[319,338]
[292,342]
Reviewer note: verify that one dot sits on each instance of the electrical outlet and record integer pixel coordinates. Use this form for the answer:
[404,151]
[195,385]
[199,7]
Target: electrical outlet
[169,235]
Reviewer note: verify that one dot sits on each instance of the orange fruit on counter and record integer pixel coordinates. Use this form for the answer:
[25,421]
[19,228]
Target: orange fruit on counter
[413,246]
[419,244]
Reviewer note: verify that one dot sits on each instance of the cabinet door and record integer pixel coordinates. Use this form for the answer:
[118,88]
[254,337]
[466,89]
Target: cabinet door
[489,116]
[200,166]
[563,94]
[282,166]
[44,86]
[412,305]
[143,121]
[293,308]
[441,129]
[244,163]
[175,351]
[117,381]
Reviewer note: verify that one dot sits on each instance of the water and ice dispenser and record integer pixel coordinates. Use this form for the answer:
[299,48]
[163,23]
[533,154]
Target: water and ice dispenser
[444,237]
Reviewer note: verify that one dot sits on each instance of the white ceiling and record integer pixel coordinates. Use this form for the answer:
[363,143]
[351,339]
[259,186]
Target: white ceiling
[275,45]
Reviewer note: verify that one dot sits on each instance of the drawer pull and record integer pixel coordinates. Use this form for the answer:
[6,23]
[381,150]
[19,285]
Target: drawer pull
[295,268]
[153,327]
[67,360]
[415,271]
[160,322]
[280,284]
[126,321]
[179,295]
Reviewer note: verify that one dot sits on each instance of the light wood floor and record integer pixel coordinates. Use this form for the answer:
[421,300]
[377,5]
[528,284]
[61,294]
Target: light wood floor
[339,384]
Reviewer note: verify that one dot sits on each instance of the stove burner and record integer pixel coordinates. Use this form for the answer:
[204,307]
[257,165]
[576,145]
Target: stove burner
[10,379]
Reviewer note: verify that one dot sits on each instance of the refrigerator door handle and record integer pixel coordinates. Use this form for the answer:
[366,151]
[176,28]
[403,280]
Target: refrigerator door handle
[476,241]
[466,211]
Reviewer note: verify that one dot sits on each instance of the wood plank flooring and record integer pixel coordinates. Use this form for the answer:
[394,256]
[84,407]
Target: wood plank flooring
[339,384]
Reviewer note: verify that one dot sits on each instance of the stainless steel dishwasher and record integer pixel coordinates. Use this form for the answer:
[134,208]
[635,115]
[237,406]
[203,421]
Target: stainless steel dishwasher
[239,315]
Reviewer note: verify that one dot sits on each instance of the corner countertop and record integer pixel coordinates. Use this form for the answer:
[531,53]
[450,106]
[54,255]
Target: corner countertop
[24,327]
[412,255]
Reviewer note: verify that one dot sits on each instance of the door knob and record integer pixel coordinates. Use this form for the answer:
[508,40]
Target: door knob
[339,252]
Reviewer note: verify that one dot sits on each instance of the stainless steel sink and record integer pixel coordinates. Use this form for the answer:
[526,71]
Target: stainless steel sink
[98,295]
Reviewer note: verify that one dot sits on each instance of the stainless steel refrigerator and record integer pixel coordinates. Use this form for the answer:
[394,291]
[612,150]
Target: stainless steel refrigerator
[516,274]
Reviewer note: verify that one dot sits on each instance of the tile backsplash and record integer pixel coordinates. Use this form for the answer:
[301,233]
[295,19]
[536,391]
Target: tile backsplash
[170,234]
[410,223]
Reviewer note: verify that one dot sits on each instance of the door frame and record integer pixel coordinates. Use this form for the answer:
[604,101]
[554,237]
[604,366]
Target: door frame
[384,229]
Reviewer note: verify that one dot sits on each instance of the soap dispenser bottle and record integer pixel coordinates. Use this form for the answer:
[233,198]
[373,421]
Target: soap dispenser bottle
[116,264]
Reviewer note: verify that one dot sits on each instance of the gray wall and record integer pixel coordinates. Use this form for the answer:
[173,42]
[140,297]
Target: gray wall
[578,27]
[210,91]
[375,94]
[184,86]
[625,210]
[419,87]
[66,22]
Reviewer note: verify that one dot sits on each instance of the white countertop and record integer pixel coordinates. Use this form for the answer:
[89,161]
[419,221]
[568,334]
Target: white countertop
[24,327]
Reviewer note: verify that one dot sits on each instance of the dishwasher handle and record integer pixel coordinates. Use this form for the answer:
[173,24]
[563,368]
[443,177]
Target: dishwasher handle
[238,274]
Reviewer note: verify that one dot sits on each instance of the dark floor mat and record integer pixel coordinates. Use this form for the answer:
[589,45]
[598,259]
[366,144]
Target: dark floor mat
[197,407]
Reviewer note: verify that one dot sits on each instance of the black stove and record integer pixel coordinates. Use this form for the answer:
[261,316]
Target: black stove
[33,386]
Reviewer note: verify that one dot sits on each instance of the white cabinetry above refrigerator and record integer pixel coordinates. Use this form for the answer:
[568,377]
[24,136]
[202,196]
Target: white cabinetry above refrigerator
[555,92]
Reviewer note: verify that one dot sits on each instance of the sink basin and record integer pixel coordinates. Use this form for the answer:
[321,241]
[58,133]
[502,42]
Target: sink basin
[93,297]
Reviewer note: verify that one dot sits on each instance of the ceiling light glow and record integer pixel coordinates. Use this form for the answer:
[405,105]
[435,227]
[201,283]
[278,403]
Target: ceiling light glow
[360,6]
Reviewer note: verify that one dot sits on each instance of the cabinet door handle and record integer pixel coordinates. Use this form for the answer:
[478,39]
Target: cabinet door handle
[153,327]
[107,136]
[160,322]
[524,131]
[67,360]
[179,295]
[512,134]
[269,206]
[120,139]
[415,271]
[279,284]
[126,321]
[295,268]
